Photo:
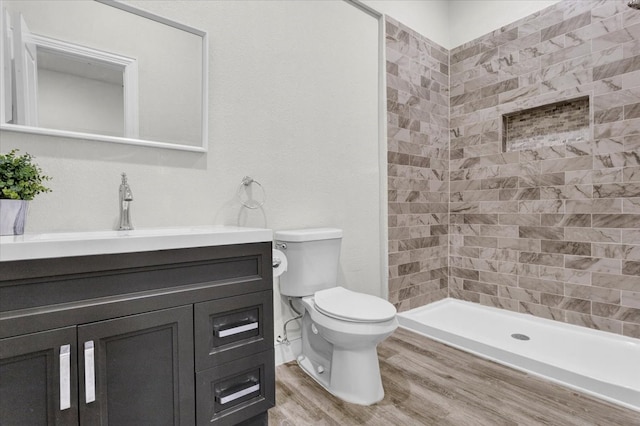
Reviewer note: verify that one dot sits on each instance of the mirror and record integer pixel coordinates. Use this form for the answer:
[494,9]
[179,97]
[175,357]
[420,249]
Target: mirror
[103,70]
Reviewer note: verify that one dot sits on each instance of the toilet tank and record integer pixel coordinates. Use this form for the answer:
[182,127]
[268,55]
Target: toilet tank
[313,256]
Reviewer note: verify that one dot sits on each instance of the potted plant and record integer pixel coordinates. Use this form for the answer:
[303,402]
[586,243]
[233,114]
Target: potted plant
[20,180]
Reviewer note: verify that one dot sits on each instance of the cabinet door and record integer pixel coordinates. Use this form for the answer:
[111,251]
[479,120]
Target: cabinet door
[38,378]
[138,370]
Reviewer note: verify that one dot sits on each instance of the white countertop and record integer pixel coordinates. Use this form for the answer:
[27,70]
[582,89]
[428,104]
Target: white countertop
[65,244]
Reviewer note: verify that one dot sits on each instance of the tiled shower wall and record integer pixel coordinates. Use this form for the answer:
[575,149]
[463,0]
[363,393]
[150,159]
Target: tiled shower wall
[553,231]
[418,163]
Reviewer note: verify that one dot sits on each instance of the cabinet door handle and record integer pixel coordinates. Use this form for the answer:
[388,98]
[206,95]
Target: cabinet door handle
[65,377]
[89,373]
[236,330]
[232,397]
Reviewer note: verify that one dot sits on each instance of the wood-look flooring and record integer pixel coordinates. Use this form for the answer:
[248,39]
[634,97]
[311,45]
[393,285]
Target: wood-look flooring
[428,383]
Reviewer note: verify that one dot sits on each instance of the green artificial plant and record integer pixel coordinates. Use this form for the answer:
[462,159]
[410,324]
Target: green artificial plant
[20,177]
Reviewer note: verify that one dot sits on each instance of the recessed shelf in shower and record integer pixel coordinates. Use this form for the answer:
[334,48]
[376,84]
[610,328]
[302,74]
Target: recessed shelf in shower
[552,124]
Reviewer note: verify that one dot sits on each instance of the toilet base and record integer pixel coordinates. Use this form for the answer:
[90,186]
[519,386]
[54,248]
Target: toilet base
[353,376]
[351,373]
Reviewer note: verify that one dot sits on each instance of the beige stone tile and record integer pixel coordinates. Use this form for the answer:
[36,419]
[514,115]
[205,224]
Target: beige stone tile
[565,303]
[607,175]
[541,206]
[593,264]
[541,311]
[521,219]
[498,278]
[630,267]
[499,302]
[631,205]
[596,294]
[519,294]
[508,231]
[594,206]
[498,207]
[580,163]
[616,220]
[620,282]
[597,323]
[572,192]
[617,251]
[631,330]
[549,272]
[521,244]
[503,257]
[541,232]
[543,286]
[566,220]
[479,287]
[566,247]
[607,146]
[631,174]
[631,236]
[630,299]
[616,312]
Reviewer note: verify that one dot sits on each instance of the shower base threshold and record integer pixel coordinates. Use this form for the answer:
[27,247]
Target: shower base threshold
[601,364]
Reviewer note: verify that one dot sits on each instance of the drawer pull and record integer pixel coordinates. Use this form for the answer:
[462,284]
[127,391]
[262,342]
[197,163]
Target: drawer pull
[89,373]
[236,330]
[65,377]
[232,397]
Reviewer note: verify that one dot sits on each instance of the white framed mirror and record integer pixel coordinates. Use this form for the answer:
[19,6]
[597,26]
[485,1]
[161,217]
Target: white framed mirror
[103,70]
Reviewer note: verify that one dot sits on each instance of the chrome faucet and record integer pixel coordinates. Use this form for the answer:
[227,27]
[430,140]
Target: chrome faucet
[126,197]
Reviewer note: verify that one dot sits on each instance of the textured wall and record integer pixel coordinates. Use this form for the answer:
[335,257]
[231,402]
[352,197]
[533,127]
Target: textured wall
[552,231]
[418,157]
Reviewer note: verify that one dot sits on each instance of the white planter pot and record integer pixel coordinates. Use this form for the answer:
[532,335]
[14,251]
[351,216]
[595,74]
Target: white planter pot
[13,215]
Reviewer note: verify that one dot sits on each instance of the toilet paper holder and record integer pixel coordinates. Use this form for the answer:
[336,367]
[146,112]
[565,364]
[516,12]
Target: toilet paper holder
[276,260]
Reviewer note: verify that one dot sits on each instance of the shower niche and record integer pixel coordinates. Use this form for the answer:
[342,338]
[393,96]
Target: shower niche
[547,125]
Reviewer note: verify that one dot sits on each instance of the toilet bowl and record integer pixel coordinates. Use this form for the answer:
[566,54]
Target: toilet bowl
[348,368]
[340,328]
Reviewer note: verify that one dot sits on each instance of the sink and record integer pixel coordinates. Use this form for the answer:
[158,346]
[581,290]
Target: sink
[65,244]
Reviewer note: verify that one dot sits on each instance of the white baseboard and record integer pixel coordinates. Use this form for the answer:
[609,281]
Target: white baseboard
[285,353]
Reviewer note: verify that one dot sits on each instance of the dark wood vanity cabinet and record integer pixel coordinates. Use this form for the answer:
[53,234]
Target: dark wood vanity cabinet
[171,337]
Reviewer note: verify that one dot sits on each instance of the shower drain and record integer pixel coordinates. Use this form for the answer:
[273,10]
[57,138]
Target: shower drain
[519,336]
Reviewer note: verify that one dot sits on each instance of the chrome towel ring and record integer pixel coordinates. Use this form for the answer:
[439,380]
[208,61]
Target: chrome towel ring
[245,189]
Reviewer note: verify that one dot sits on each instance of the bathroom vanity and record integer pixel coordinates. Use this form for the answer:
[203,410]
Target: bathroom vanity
[162,327]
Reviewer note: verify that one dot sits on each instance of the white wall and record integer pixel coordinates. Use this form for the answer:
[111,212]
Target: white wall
[470,19]
[451,23]
[428,17]
[293,102]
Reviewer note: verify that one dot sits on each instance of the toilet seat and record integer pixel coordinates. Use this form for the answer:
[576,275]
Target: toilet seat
[347,305]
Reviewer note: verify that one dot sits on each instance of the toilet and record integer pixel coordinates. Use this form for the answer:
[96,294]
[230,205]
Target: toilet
[340,328]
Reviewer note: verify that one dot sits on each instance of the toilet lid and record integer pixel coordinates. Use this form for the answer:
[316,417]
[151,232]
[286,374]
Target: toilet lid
[338,302]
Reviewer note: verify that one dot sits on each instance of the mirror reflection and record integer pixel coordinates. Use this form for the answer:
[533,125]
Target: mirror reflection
[102,70]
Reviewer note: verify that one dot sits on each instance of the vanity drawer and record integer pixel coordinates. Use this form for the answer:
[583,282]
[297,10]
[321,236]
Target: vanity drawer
[236,391]
[232,328]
